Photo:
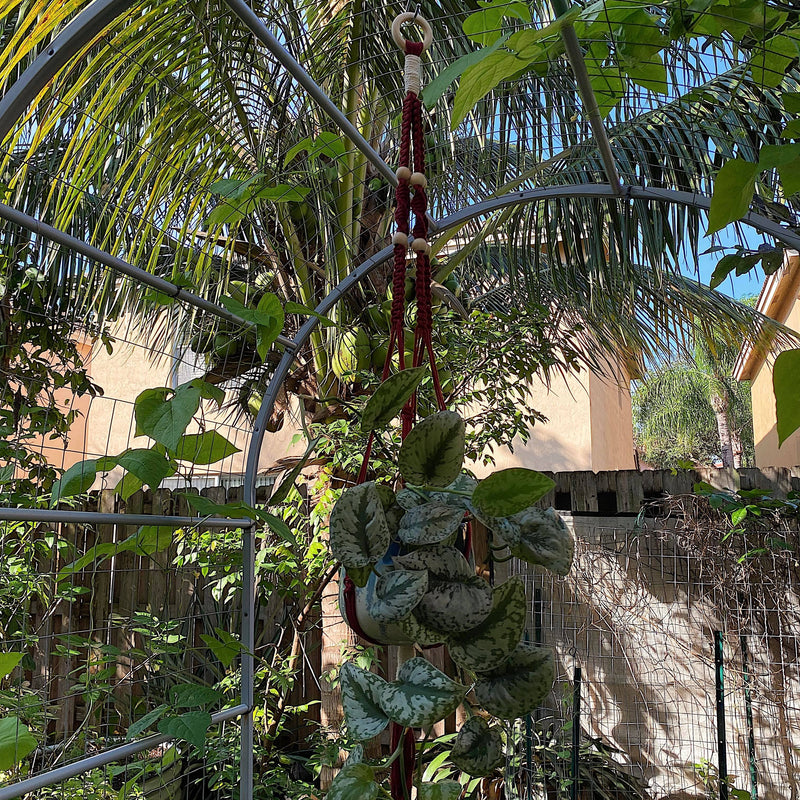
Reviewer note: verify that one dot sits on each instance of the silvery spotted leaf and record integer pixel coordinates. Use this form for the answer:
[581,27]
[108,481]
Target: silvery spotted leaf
[463,483]
[538,537]
[410,498]
[421,695]
[359,534]
[354,782]
[478,749]
[455,606]
[429,524]
[397,593]
[440,790]
[442,561]
[489,644]
[361,693]
[519,684]
[433,451]
[419,633]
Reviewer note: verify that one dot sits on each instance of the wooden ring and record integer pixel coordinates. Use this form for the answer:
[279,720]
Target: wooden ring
[417,19]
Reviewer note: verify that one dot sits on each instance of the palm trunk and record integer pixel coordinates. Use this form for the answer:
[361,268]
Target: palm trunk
[721,410]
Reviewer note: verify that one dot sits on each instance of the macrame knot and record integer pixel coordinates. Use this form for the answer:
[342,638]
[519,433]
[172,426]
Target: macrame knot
[413,73]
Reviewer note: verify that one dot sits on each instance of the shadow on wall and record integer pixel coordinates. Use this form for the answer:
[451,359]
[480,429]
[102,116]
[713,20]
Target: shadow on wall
[637,613]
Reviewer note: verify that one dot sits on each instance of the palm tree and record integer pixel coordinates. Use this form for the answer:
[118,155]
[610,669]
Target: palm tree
[141,145]
[693,409]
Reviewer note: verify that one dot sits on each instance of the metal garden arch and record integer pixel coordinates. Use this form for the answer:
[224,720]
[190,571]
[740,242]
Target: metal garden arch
[88,24]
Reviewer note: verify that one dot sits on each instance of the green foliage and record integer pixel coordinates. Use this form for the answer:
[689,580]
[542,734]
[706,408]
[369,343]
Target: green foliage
[16,742]
[510,491]
[432,453]
[41,364]
[478,748]
[674,412]
[387,400]
[786,384]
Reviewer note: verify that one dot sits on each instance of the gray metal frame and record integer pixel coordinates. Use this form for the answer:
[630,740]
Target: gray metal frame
[85,27]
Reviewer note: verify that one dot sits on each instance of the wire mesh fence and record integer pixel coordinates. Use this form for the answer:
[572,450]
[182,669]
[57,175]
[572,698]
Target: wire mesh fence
[683,687]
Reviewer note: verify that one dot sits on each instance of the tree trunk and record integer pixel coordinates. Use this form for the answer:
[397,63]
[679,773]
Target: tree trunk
[720,405]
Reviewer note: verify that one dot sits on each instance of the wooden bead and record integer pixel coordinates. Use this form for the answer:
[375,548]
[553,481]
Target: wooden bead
[419,245]
[418,179]
[403,173]
[400,238]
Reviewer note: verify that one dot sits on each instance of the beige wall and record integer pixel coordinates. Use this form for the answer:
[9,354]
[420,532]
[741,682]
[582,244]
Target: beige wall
[589,427]
[768,454]
[589,423]
[129,370]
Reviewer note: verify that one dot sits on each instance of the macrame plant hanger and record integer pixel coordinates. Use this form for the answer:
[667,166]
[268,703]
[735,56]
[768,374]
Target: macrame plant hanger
[410,197]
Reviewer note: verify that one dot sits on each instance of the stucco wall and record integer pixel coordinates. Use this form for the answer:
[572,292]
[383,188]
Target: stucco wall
[589,427]
[612,423]
[129,370]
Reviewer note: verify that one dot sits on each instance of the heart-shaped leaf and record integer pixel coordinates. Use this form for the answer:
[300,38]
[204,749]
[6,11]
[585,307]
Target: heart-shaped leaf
[489,644]
[421,695]
[143,723]
[538,537]
[15,742]
[443,790]
[419,633]
[456,495]
[519,684]
[390,397]
[8,661]
[509,491]
[191,727]
[354,782]
[192,695]
[359,534]
[433,451]
[397,593]
[431,523]
[410,498]
[478,749]
[455,606]
[361,692]
[441,561]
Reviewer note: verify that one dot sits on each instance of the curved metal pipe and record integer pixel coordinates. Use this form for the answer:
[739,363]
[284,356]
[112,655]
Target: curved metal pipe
[91,21]
[756,221]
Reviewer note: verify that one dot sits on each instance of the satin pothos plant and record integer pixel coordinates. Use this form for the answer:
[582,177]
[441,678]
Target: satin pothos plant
[414,585]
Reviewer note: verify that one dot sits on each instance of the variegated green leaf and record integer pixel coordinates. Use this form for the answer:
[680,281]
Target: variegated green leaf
[538,537]
[443,790]
[421,695]
[397,593]
[419,633]
[478,748]
[509,491]
[356,755]
[359,534]
[361,693]
[487,645]
[410,498]
[390,397]
[431,523]
[519,684]
[433,451]
[394,514]
[463,483]
[455,606]
[354,782]
[441,561]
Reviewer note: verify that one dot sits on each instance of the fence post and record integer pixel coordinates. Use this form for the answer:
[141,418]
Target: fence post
[722,755]
[748,705]
[576,732]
